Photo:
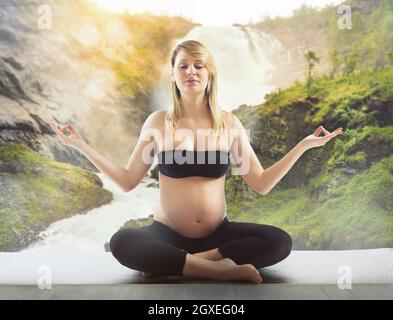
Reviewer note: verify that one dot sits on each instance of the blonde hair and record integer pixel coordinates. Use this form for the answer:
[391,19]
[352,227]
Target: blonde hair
[198,51]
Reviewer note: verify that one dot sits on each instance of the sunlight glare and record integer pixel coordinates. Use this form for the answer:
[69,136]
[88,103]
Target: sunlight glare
[213,13]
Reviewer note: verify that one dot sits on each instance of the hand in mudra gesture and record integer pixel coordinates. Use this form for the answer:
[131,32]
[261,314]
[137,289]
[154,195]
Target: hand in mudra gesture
[313,140]
[68,135]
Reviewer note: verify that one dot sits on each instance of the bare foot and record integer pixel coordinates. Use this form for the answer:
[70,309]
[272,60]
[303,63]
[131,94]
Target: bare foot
[213,255]
[228,270]
[232,271]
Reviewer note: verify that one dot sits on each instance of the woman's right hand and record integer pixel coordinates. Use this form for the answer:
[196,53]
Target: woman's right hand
[68,135]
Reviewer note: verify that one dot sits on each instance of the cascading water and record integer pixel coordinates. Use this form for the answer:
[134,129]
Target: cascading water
[90,231]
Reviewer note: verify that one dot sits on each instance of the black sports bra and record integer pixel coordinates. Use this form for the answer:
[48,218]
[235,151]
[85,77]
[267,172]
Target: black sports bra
[185,163]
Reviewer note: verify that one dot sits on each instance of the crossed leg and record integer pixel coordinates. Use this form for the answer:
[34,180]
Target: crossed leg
[239,250]
[211,265]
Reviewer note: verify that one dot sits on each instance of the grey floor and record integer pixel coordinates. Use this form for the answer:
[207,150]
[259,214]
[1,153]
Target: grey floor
[227,291]
[303,275]
[101,268]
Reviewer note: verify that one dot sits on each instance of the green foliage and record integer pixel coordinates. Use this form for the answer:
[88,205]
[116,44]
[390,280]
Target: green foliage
[339,196]
[36,191]
[364,46]
[357,215]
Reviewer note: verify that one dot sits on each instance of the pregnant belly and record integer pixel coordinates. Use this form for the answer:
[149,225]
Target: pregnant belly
[191,221]
[194,206]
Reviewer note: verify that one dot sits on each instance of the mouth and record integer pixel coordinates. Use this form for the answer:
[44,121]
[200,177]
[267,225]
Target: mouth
[191,82]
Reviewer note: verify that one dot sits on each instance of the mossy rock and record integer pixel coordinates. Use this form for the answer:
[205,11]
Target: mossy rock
[136,223]
[37,191]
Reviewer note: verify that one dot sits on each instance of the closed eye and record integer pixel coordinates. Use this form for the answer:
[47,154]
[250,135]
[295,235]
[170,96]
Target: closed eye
[198,67]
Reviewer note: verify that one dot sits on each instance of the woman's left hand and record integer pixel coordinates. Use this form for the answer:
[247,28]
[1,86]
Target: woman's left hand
[313,140]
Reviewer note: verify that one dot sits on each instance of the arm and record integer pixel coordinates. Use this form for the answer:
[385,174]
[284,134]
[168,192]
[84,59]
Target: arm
[272,175]
[260,180]
[116,173]
[140,161]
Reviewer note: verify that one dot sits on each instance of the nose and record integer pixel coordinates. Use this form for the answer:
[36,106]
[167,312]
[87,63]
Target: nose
[191,70]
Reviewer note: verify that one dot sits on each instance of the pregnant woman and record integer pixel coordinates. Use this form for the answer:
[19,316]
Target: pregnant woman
[190,234]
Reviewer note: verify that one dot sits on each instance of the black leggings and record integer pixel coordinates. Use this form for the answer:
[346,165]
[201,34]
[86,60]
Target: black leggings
[160,250]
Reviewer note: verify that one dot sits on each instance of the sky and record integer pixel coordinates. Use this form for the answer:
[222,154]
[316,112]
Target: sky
[214,12]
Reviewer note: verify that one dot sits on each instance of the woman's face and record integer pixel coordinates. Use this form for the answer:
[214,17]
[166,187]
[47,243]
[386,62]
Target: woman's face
[190,74]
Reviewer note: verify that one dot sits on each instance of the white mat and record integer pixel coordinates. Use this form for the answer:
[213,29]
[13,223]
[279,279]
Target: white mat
[362,266]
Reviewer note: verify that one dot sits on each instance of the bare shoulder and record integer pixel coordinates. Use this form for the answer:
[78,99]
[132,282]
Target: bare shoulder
[160,113]
[155,120]
[229,118]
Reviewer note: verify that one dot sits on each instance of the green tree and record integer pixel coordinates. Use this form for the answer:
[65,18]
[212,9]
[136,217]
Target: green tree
[312,59]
